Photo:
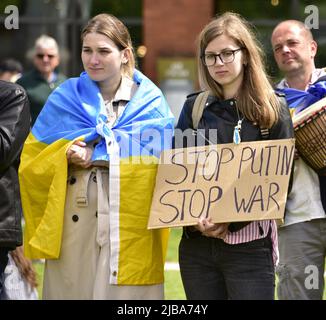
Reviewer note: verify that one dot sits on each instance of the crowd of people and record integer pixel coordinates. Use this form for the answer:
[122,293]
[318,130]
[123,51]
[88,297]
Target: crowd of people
[78,167]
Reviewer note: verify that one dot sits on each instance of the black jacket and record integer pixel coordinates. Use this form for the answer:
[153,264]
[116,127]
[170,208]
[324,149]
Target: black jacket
[223,117]
[14,128]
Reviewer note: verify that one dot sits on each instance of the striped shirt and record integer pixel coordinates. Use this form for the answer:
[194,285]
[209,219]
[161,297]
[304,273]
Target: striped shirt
[254,231]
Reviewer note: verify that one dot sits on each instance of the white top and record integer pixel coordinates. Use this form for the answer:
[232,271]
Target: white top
[304,202]
[125,92]
[115,107]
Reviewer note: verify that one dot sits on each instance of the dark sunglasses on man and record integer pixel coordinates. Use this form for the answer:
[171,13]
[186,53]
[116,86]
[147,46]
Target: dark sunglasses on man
[42,55]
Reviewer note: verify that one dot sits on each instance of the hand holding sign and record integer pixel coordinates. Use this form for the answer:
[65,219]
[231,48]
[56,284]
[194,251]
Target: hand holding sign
[210,229]
[226,182]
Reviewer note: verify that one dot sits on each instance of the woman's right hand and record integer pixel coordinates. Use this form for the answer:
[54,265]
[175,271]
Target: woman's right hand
[79,154]
[213,230]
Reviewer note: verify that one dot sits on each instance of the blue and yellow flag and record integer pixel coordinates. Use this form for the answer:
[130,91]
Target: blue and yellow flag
[76,111]
[298,100]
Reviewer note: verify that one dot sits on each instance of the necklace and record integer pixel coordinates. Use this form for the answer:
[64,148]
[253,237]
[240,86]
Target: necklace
[237,128]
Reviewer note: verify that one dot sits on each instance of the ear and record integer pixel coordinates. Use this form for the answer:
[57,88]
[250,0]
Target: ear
[244,60]
[125,55]
[244,56]
[313,48]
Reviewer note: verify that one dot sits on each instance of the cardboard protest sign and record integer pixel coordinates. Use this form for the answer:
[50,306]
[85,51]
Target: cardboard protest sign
[227,182]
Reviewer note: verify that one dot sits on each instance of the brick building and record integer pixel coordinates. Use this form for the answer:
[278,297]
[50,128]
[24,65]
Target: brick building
[170,28]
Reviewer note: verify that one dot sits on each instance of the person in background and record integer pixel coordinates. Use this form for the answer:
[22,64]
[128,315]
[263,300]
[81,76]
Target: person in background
[302,237]
[19,274]
[232,260]
[87,175]
[14,128]
[10,70]
[44,77]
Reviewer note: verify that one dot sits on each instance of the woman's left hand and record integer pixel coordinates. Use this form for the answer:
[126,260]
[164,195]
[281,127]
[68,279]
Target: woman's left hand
[213,230]
[79,154]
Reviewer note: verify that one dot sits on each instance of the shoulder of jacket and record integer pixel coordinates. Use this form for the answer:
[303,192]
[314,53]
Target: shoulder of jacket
[10,89]
[194,94]
[191,98]
[10,85]
[7,85]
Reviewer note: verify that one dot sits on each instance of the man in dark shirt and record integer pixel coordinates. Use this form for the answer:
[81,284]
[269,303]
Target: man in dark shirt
[43,79]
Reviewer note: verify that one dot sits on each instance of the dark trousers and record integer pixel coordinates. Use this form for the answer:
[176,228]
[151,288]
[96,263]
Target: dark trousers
[214,270]
[3,264]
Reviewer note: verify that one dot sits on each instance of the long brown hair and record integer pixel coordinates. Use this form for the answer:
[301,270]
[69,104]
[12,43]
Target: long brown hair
[115,30]
[256,99]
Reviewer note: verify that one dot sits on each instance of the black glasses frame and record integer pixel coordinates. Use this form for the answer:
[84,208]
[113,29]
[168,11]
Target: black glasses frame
[219,55]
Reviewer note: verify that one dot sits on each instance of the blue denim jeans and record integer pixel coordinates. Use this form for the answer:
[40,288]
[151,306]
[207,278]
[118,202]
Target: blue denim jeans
[3,264]
[214,270]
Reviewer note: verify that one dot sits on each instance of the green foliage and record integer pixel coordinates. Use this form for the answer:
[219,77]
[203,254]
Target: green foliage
[121,8]
[253,9]
[5,3]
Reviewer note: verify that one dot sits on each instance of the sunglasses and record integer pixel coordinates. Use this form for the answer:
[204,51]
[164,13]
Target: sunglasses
[41,55]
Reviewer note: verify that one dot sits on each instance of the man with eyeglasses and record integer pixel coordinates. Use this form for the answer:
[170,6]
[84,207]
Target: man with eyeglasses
[43,79]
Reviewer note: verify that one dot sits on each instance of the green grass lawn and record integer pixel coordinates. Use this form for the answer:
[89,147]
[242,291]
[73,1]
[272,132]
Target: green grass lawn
[173,285]
[39,268]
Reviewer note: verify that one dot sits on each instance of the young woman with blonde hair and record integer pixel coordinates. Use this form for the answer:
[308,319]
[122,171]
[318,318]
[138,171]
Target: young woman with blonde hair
[87,204]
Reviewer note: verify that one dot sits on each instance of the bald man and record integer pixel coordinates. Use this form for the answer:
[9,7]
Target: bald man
[302,238]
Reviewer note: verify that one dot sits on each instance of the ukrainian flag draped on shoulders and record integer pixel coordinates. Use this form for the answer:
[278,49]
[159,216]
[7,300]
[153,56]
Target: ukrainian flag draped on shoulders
[76,111]
[299,100]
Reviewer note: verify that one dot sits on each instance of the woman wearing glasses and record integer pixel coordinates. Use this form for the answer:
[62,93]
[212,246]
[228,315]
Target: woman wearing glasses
[232,260]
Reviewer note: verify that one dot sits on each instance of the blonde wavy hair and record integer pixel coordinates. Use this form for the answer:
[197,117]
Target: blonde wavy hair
[256,100]
[115,30]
